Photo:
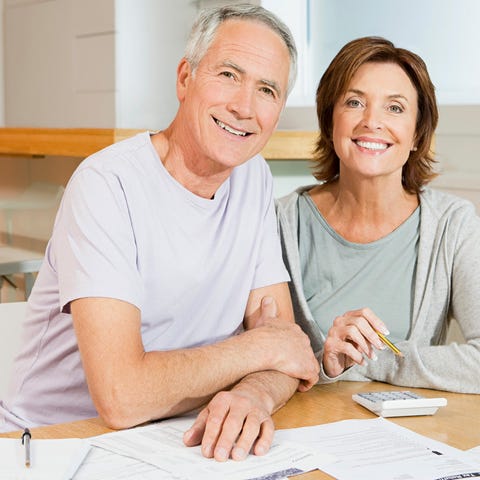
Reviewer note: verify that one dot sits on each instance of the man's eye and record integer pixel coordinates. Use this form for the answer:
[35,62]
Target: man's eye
[228,74]
[268,91]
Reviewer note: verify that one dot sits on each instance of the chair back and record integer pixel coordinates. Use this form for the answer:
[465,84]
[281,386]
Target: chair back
[28,217]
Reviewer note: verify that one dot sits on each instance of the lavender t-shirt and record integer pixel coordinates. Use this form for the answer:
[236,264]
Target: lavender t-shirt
[127,230]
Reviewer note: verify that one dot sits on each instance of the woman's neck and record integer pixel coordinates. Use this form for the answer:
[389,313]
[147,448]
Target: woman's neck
[363,212]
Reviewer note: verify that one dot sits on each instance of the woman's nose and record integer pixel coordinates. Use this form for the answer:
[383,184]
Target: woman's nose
[372,119]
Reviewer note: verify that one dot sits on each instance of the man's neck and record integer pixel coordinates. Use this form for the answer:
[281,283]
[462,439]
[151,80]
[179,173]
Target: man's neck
[203,178]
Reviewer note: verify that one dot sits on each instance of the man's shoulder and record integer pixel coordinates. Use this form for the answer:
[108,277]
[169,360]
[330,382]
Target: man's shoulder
[116,163]
[124,148]
[255,173]
[257,162]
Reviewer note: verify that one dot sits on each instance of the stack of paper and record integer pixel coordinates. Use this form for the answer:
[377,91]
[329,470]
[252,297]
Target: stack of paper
[346,450]
[161,445]
[379,448]
[49,459]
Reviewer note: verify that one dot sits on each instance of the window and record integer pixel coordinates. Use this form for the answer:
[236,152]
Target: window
[444,33]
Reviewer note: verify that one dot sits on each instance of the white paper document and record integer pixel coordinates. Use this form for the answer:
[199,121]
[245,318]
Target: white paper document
[378,448]
[161,445]
[49,459]
[102,464]
[475,451]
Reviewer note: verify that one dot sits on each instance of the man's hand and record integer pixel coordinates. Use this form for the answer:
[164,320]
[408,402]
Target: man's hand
[289,347]
[230,425]
[239,421]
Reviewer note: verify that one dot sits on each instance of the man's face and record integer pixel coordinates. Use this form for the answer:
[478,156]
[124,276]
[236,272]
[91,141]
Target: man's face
[231,104]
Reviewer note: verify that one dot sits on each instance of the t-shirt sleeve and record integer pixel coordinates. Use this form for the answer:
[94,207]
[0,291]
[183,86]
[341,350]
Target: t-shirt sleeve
[95,250]
[270,268]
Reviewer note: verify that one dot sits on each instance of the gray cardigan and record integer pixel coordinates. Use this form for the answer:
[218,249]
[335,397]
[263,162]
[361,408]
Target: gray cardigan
[447,285]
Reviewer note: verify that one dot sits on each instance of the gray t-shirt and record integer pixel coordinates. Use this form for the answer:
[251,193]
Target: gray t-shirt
[339,275]
[128,230]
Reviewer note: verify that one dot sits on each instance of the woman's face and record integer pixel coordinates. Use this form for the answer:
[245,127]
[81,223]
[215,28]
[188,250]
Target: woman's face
[374,122]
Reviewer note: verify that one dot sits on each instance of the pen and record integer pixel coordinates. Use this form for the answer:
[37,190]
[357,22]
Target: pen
[26,441]
[389,344]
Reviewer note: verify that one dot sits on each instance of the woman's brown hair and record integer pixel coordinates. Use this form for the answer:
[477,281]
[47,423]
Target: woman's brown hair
[418,170]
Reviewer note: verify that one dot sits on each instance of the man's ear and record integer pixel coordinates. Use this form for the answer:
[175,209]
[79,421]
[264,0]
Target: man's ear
[184,73]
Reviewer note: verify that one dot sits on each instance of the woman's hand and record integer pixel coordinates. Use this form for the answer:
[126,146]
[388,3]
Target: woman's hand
[351,337]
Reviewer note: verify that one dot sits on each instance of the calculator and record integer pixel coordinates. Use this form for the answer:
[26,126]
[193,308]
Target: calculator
[398,403]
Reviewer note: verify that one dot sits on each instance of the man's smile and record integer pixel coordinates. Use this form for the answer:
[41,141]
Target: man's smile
[230,129]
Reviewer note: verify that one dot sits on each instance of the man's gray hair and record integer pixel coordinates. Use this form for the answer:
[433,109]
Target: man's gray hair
[206,25]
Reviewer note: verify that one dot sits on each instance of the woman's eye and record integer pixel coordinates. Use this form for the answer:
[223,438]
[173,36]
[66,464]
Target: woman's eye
[396,108]
[354,103]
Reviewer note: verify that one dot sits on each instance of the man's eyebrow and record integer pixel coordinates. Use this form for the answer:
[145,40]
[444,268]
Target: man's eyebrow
[269,83]
[273,85]
[228,63]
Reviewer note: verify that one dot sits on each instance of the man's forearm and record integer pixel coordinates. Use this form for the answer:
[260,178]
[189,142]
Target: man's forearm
[272,388]
[164,384]
[130,386]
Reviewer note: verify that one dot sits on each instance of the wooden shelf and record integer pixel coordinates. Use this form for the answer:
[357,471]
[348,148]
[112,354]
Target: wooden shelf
[290,145]
[68,142]
[81,142]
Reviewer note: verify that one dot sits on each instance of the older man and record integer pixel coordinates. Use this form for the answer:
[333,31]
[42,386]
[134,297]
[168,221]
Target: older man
[163,286]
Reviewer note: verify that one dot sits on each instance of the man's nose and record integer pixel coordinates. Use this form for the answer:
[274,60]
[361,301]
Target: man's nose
[242,102]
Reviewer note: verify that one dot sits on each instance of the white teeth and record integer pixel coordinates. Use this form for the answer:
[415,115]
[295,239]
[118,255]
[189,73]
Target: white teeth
[372,145]
[230,129]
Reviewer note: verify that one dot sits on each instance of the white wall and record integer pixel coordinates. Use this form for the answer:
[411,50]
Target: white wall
[35,95]
[457,143]
[149,44]
[59,63]
[93,63]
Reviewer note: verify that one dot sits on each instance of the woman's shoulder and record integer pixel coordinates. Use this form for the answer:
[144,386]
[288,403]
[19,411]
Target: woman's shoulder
[290,200]
[443,202]
[452,211]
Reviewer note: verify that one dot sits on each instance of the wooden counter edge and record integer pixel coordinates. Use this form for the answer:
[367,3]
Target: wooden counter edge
[81,142]
[76,429]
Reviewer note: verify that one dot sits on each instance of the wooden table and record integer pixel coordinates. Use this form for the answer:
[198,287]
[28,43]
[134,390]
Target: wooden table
[457,424]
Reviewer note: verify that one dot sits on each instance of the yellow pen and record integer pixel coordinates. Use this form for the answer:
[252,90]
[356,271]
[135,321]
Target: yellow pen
[389,344]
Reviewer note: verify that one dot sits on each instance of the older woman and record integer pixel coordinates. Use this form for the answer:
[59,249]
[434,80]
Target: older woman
[371,248]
